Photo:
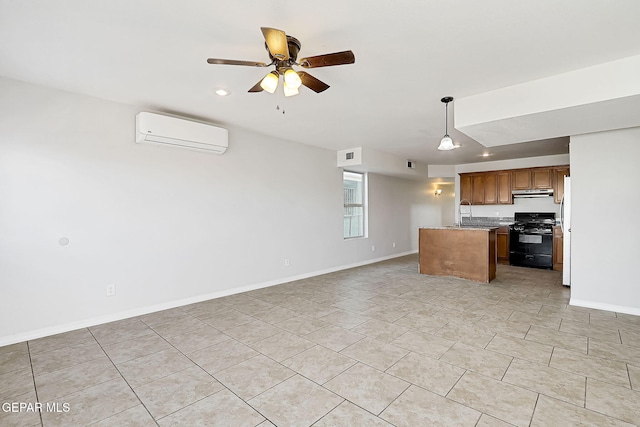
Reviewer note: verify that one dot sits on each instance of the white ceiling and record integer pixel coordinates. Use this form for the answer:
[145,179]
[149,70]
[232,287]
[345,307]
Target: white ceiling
[409,54]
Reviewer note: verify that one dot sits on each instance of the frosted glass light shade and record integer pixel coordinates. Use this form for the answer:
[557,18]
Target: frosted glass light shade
[288,90]
[446,143]
[292,79]
[270,82]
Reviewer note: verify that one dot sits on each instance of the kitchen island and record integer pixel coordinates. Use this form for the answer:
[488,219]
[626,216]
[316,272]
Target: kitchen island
[465,252]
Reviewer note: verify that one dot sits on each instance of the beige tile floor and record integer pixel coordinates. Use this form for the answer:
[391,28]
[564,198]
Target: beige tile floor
[379,345]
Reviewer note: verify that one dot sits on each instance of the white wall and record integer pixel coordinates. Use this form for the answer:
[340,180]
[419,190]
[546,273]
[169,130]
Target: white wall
[167,226]
[438,211]
[605,205]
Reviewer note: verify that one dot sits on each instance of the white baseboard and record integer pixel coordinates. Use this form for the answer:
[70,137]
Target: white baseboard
[85,323]
[608,307]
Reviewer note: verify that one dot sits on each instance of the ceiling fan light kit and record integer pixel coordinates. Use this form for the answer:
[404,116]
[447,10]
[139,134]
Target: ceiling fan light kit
[289,90]
[292,79]
[446,143]
[270,82]
[283,52]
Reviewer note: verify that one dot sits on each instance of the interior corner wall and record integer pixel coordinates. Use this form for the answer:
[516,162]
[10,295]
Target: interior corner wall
[604,207]
[166,225]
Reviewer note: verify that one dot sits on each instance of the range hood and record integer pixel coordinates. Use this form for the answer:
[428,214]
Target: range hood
[532,193]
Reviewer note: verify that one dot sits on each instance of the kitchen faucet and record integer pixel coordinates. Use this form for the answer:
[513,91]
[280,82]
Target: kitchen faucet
[460,211]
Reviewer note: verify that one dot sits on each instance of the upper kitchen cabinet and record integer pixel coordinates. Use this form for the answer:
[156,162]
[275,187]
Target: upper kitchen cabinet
[521,179]
[497,188]
[504,188]
[477,189]
[486,188]
[465,187]
[558,187]
[490,188]
[532,179]
[542,178]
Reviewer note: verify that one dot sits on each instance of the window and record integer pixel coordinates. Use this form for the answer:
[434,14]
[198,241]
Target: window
[354,186]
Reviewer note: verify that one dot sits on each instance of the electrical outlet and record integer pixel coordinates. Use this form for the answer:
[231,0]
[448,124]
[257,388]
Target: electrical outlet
[286,262]
[111,290]
[394,244]
[373,248]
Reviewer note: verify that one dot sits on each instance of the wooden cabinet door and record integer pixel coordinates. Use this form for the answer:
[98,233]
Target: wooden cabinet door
[521,179]
[502,237]
[558,254]
[477,189]
[558,185]
[504,188]
[465,187]
[490,188]
[542,179]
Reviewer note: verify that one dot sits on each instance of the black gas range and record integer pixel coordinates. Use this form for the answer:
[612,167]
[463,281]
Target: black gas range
[531,239]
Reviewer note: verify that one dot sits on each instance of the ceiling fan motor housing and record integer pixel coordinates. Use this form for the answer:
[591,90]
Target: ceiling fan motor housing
[294,46]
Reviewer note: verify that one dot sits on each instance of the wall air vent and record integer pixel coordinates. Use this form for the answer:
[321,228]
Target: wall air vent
[350,157]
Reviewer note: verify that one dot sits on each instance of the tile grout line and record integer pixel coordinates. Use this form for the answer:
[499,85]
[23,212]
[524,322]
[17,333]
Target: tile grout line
[585,392]
[125,380]
[398,397]
[534,409]
[33,378]
[225,387]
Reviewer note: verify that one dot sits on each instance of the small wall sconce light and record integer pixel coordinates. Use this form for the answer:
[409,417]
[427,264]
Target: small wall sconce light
[438,192]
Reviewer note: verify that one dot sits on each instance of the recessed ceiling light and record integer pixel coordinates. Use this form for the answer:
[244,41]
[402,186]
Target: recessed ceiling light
[485,154]
[222,92]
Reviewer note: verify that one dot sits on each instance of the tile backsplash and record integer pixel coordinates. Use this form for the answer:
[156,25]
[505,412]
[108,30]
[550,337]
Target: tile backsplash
[491,221]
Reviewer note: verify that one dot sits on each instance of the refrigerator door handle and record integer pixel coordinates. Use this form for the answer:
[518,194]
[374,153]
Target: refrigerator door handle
[562,214]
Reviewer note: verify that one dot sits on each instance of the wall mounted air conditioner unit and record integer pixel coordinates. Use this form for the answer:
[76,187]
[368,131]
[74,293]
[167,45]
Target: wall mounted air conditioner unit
[164,130]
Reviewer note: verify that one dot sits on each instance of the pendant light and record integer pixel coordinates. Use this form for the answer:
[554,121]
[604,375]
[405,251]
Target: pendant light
[446,143]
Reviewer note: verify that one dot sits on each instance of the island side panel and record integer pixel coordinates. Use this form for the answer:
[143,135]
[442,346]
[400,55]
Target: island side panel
[469,254]
[493,254]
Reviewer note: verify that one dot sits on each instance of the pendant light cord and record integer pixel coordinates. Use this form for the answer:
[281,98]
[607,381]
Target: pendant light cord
[446,118]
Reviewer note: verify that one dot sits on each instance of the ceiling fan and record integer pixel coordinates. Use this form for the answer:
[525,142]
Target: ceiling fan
[283,52]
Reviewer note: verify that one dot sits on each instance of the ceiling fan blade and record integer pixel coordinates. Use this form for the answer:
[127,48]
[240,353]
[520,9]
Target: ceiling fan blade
[236,62]
[312,83]
[257,87]
[328,60]
[276,42]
